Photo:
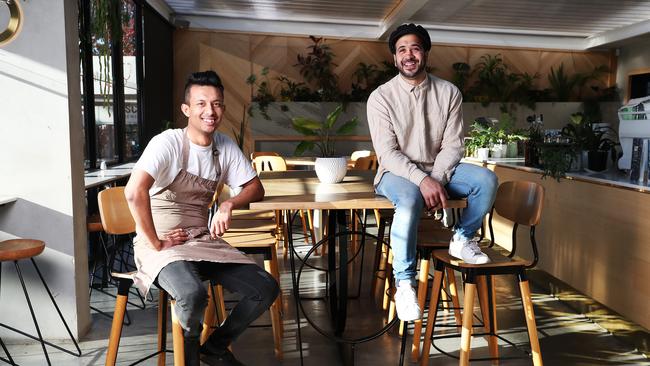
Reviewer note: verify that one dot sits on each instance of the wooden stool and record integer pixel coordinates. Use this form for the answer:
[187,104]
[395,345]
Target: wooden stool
[521,203]
[261,243]
[125,280]
[15,250]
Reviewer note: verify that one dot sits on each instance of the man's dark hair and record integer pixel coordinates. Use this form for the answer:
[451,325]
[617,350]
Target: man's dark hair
[411,28]
[202,78]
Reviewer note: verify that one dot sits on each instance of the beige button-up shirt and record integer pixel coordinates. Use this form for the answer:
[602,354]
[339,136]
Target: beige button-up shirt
[417,130]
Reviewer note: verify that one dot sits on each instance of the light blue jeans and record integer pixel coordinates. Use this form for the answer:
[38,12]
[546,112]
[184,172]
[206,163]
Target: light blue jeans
[469,181]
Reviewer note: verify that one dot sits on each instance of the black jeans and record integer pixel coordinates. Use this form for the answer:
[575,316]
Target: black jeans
[183,281]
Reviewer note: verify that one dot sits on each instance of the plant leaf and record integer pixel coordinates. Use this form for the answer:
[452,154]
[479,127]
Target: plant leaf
[347,127]
[332,117]
[306,123]
[303,146]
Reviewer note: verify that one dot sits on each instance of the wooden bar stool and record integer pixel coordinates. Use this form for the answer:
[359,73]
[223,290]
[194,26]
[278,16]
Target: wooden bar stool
[520,202]
[264,244]
[116,219]
[18,249]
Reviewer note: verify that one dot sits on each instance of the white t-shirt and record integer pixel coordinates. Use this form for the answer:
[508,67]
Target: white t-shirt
[162,159]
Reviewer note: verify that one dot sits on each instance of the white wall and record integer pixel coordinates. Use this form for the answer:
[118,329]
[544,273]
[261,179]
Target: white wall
[41,158]
[634,55]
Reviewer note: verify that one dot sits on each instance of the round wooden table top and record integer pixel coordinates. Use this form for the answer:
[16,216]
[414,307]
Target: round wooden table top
[15,249]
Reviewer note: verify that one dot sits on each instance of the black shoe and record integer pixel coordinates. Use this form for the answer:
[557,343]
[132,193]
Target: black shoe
[223,358]
[192,351]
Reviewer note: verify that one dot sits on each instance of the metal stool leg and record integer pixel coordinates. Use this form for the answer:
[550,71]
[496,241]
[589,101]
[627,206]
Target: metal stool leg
[9,360]
[56,306]
[31,310]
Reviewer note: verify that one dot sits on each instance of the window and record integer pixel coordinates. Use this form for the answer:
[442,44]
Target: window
[111,55]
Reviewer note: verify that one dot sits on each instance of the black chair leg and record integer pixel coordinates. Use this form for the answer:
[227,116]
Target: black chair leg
[403,346]
[56,306]
[8,360]
[31,310]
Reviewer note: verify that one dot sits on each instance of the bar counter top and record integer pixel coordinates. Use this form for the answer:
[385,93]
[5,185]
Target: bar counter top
[610,177]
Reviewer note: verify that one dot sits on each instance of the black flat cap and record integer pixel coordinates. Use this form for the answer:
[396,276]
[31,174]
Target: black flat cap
[411,28]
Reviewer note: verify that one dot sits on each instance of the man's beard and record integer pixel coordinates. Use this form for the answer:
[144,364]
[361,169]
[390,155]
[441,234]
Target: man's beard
[412,74]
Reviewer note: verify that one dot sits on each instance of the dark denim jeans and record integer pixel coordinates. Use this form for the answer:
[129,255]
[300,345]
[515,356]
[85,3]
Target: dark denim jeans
[183,280]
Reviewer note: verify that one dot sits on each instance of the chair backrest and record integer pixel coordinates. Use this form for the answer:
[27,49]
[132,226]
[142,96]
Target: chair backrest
[273,163]
[114,211]
[520,202]
[366,163]
[361,154]
[255,154]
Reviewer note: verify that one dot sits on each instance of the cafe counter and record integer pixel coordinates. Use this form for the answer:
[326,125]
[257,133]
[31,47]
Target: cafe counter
[594,235]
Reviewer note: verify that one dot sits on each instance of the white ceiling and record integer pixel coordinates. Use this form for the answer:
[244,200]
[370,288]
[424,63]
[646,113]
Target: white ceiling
[561,24]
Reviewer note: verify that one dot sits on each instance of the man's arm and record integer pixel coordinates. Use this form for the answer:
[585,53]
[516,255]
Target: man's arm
[251,191]
[137,196]
[452,147]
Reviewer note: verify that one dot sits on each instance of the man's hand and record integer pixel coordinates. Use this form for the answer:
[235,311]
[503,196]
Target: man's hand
[221,220]
[172,238]
[434,194]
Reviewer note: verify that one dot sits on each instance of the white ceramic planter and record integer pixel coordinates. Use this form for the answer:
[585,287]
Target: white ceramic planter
[498,150]
[483,153]
[331,170]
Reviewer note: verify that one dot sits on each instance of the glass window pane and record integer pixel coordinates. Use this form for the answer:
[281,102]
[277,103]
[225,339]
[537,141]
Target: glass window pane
[131,140]
[102,74]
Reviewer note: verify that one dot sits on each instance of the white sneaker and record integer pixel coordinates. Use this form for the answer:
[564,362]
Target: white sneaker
[467,250]
[406,302]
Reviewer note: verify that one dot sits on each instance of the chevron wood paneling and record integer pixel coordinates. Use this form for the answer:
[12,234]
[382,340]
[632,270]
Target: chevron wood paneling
[236,55]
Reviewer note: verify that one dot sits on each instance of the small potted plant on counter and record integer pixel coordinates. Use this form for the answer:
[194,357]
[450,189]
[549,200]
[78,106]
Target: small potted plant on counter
[329,168]
[481,138]
[591,142]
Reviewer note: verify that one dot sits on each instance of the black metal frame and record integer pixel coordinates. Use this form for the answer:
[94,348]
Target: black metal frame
[470,275]
[38,329]
[337,289]
[117,81]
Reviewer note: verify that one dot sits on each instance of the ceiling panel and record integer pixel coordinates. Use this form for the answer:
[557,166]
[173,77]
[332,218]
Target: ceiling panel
[343,10]
[579,17]
[565,24]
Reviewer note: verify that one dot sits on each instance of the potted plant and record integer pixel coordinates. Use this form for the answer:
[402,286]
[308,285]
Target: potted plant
[556,158]
[329,169]
[480,141]
[590,141]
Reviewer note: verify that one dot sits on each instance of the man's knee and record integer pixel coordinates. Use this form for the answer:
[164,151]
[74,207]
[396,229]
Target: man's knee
[192,297]
[490,180]
[266,288]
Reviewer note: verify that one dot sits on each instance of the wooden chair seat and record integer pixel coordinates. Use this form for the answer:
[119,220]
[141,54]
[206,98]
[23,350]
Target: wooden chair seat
[94,224]
[498,260]
[246,239]
[252,215]
[17,249]
[258,225]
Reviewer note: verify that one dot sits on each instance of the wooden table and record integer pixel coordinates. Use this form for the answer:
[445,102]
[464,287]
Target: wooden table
[301,190]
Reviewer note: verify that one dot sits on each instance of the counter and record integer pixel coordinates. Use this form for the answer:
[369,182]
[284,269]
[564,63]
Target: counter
[593,235]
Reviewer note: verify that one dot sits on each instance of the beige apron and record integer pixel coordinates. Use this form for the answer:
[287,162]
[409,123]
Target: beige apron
[183,204]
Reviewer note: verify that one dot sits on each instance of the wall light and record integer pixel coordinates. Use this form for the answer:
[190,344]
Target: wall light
[15,21]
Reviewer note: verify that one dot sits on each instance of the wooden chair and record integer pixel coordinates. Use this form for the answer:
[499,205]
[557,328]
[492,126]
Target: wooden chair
[255,154]
[361,154]
[250,241]
[521,203]
[14,250]
[277,163]
[117,220]
[272,163]
[365,163]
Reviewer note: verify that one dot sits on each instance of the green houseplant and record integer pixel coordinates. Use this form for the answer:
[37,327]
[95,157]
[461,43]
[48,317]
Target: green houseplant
[590,141]
[329,169]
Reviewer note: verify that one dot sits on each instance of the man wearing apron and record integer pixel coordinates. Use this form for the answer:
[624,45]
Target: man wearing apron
[169,192]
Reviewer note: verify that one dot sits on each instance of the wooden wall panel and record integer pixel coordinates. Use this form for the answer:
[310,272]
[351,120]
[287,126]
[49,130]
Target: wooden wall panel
[594,238]
[236,55]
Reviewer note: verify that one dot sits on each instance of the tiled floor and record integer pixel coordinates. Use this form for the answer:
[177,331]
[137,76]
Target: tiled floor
[566,338]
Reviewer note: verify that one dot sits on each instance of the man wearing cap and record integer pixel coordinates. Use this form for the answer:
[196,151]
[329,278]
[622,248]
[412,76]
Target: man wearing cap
[416,124]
